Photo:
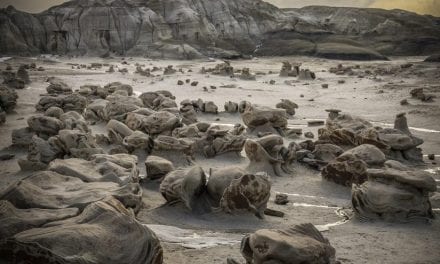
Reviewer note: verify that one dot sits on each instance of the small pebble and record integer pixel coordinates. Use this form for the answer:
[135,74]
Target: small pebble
[281,199]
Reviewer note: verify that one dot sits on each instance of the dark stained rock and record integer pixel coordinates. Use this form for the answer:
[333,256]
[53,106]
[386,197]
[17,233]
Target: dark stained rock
[346,170]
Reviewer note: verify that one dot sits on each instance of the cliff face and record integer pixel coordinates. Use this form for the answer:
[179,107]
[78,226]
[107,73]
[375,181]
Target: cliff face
[196,28]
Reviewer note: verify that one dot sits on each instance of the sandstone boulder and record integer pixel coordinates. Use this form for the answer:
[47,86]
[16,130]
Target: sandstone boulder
[394,194]
[299,244]
[157,167]
[93,236]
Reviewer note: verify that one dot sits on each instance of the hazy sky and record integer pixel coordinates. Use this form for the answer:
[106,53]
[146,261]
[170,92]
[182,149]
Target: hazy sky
[420,6]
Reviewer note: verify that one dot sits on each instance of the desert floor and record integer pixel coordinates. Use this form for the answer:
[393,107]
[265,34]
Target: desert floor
[212,238]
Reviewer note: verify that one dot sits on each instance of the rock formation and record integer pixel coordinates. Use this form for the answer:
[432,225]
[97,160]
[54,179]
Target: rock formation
[299,244]
[397,143]
[104,232]
[231,189]
[394,193]
[192,29]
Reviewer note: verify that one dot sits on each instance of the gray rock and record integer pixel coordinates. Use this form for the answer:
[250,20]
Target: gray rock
[22,137]
[287,105]
[256,115]
[394,194]
[210,107]
[45,125]
[299,244]
[346,170]
[157,167]
[327,152]
[14,220]
[54,111]
[57,86]
[62,240]
[8,98]
[99,169]
[368,153]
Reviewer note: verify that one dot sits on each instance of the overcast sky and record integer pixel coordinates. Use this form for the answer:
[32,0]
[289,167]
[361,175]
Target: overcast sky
[420,6]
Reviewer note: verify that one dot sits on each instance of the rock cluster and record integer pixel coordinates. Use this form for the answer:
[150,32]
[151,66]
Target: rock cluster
[397,143]
[16,80]
[231,189]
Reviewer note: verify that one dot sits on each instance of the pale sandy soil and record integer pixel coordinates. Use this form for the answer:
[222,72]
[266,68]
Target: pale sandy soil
[312,199]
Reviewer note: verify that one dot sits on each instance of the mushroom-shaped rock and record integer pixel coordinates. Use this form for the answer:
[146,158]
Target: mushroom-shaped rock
[333,113]
[299,244]
[105,232]
[394,194]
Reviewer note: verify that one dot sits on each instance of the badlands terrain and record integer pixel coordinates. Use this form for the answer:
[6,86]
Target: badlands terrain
[376,91]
